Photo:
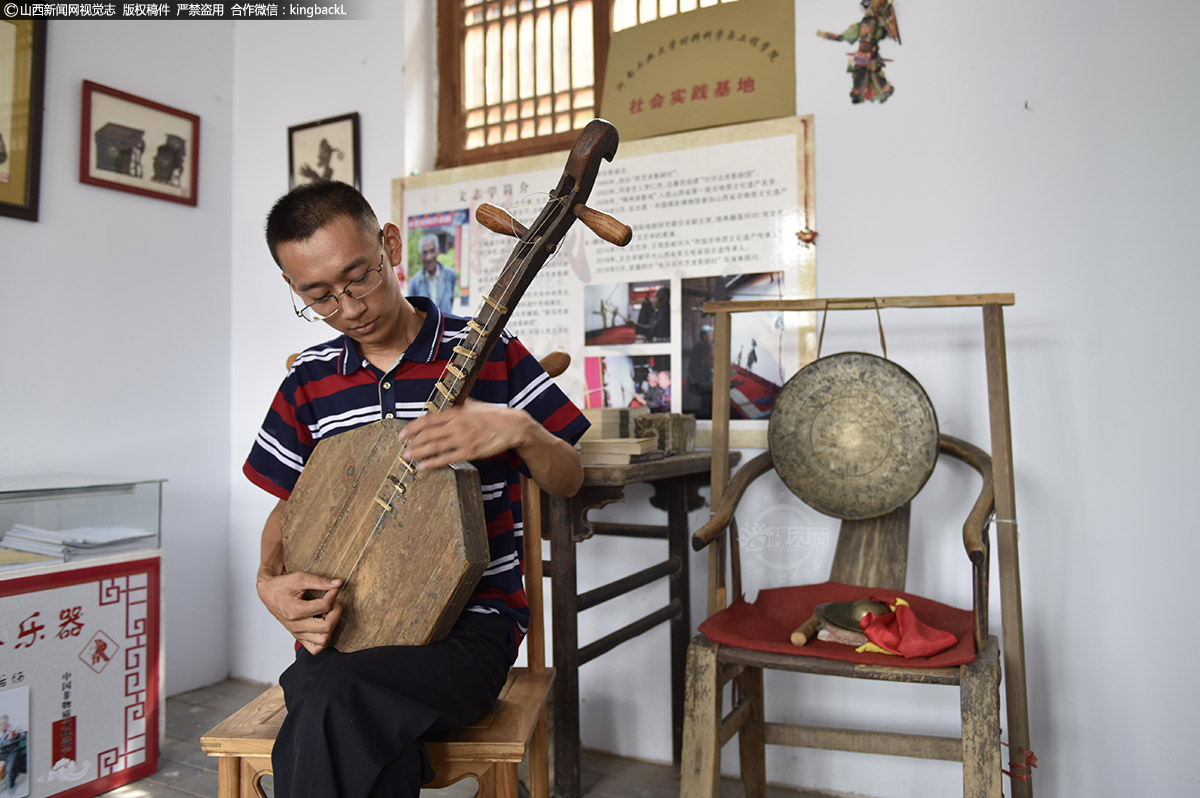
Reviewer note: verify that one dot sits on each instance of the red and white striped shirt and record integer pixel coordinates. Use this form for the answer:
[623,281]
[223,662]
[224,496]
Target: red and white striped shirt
[331,388]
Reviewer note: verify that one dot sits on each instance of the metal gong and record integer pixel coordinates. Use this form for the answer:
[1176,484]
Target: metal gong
[853,435]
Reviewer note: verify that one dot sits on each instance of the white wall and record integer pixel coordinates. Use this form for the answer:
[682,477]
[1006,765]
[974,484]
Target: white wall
[1038,148]
[117,317]
[289,73]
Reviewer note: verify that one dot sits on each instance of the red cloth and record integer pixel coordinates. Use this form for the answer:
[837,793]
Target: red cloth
[767,625]
[611,336]
[903,632]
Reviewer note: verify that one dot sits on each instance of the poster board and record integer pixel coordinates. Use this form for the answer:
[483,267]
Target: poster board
[79,674]
[716,214]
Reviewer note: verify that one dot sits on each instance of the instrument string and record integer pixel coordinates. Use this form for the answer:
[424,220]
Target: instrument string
[437,402]
[454,379]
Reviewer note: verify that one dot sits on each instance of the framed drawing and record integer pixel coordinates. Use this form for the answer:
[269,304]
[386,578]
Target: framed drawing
[22,78]
[118,127]
[324,150]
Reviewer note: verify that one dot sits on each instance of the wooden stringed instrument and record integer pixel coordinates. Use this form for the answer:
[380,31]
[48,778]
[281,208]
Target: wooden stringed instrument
[410,550]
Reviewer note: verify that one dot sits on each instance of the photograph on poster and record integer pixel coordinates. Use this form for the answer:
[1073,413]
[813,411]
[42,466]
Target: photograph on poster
[324,150]
[629,381]
[758,340]
[14,739]
[627,313]
[437,247]
[137,145]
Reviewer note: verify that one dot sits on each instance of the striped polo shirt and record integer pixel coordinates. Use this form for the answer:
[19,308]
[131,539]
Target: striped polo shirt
[331,388]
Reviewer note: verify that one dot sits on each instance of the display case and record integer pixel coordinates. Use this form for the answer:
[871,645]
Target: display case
[68,517]
[80,633]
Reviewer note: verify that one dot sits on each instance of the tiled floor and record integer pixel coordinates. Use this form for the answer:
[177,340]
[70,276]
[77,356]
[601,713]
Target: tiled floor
[185,772]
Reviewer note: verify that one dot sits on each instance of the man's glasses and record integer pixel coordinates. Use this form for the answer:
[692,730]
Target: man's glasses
[358,288]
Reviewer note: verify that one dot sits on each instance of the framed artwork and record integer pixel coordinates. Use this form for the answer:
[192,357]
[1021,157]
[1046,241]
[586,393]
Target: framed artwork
[22,79]
[324,150]
[117,130]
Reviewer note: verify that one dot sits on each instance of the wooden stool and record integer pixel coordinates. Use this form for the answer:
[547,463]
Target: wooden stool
[488,750]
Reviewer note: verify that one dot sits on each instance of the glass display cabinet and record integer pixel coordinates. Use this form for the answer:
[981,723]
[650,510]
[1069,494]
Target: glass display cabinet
[80,633]
[68,517]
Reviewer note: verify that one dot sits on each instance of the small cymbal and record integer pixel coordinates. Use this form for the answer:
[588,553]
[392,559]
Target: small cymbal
[847,614]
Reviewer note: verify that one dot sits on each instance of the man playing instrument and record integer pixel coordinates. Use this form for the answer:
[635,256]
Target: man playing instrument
[355,720]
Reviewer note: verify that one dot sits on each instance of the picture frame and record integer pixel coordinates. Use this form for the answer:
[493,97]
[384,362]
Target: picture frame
[327,149]
[118,128]
[22,85]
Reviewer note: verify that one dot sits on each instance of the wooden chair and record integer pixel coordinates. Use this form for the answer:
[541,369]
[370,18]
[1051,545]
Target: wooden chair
[488,750]
[870,553]
[873,554]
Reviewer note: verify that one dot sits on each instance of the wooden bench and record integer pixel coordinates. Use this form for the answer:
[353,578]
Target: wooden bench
[488,750]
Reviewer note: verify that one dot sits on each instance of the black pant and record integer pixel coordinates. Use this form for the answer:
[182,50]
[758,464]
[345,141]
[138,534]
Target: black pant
[355,721]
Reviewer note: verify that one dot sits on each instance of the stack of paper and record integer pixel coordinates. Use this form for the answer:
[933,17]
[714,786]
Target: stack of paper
[12,560]
[612,422]
[617,451]
[69,544]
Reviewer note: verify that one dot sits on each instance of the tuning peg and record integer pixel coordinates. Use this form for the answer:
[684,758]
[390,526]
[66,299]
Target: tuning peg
[610,229]
[555,363]
[499,220]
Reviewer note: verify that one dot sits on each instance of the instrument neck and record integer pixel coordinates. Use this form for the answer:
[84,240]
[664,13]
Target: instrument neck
[483,332]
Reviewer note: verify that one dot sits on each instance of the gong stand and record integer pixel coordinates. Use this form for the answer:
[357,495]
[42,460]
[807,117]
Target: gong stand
[1002,469]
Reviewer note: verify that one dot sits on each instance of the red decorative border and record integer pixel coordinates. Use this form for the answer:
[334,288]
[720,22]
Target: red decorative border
[143,711]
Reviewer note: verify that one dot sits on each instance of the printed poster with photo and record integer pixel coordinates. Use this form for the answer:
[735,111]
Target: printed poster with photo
[716,214]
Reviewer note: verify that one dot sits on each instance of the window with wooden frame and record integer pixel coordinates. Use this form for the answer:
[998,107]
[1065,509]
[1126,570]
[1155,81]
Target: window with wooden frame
[519,77]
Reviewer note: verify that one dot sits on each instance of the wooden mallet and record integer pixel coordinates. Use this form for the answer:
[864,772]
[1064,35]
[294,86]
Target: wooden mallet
[806,631]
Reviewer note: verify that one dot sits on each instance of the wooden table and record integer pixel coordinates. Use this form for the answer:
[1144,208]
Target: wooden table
[676,481]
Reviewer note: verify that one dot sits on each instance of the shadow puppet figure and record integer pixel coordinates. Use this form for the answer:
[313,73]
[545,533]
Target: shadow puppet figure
[866,65]
[325,153]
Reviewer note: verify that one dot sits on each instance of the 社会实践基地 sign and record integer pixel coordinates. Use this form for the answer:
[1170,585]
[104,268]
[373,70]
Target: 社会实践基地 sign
[735,62]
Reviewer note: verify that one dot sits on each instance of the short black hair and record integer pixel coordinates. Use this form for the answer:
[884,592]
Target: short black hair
[304,210]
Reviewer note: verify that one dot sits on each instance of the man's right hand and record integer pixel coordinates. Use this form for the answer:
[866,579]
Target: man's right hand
[310,621]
